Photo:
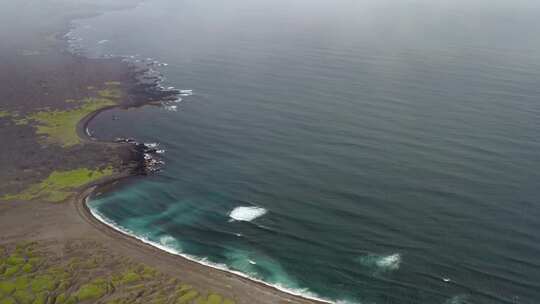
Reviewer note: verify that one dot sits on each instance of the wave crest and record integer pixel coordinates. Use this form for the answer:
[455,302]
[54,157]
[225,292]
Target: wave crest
[382,262]
[246,213]
[177,250]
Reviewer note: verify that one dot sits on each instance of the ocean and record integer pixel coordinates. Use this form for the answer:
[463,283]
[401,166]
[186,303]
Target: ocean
[358,151]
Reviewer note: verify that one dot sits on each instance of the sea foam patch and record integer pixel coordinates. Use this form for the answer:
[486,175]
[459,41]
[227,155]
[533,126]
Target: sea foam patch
[246,213]
[381,262]
[168,240]
[186,93]
[459,299]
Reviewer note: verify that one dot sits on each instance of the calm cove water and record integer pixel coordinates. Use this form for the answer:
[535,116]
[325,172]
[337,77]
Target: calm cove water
[364,151]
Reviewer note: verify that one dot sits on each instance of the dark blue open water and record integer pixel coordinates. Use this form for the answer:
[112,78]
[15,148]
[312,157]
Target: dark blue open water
[390,148]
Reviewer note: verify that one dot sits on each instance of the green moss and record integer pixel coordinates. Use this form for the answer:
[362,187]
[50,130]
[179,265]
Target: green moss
[71,300]
[130,277]
[60,299]
[23,297]
[148,272]
[212,299]
[188,296]
[52,283]
[11,270]
[27,268]
[20,121]
[7,287]
[42,283]
[41,298]
[15,117]
[60,127]
[8,301]
[21,283]
[135,287]
[159,301]
[94,290]
[183,288]
[34,261]
[60,184]
[111,93]
[15,260]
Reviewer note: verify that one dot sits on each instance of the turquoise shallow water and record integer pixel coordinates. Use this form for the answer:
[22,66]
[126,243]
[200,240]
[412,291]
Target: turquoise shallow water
[382,151]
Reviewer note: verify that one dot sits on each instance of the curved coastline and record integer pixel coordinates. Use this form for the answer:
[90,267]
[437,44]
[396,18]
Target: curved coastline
[100,224]
[118,233]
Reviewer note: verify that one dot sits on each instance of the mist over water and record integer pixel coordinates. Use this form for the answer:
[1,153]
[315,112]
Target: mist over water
[364,151]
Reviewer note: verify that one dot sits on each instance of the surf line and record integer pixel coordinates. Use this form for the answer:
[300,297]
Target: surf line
[203,261]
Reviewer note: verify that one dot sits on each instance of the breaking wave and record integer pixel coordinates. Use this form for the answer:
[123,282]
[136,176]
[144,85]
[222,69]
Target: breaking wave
[459,299]
[186,92]
[381,262]
[169,244]
[246,213]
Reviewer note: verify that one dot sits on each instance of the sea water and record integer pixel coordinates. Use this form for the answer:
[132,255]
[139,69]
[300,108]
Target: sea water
[360,151]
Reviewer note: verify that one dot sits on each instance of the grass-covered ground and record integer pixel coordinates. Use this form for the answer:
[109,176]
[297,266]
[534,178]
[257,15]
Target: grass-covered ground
[32,273]
[56,130]
[59,127]
[59,185]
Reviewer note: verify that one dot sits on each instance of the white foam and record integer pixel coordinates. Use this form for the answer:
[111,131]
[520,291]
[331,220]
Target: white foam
[304,293]
[151,145]
[185,93]
[459,299]
[389,262]
[247,213]
[381,262]
[172,108]
[167,240]
[103,41]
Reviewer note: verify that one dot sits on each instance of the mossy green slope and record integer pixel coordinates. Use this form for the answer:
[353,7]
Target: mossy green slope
[60,127]
[59,185]
[89,280]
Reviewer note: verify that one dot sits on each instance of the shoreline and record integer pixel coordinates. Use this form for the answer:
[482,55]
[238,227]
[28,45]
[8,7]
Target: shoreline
[109,183]
[51,79]
[80,203]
